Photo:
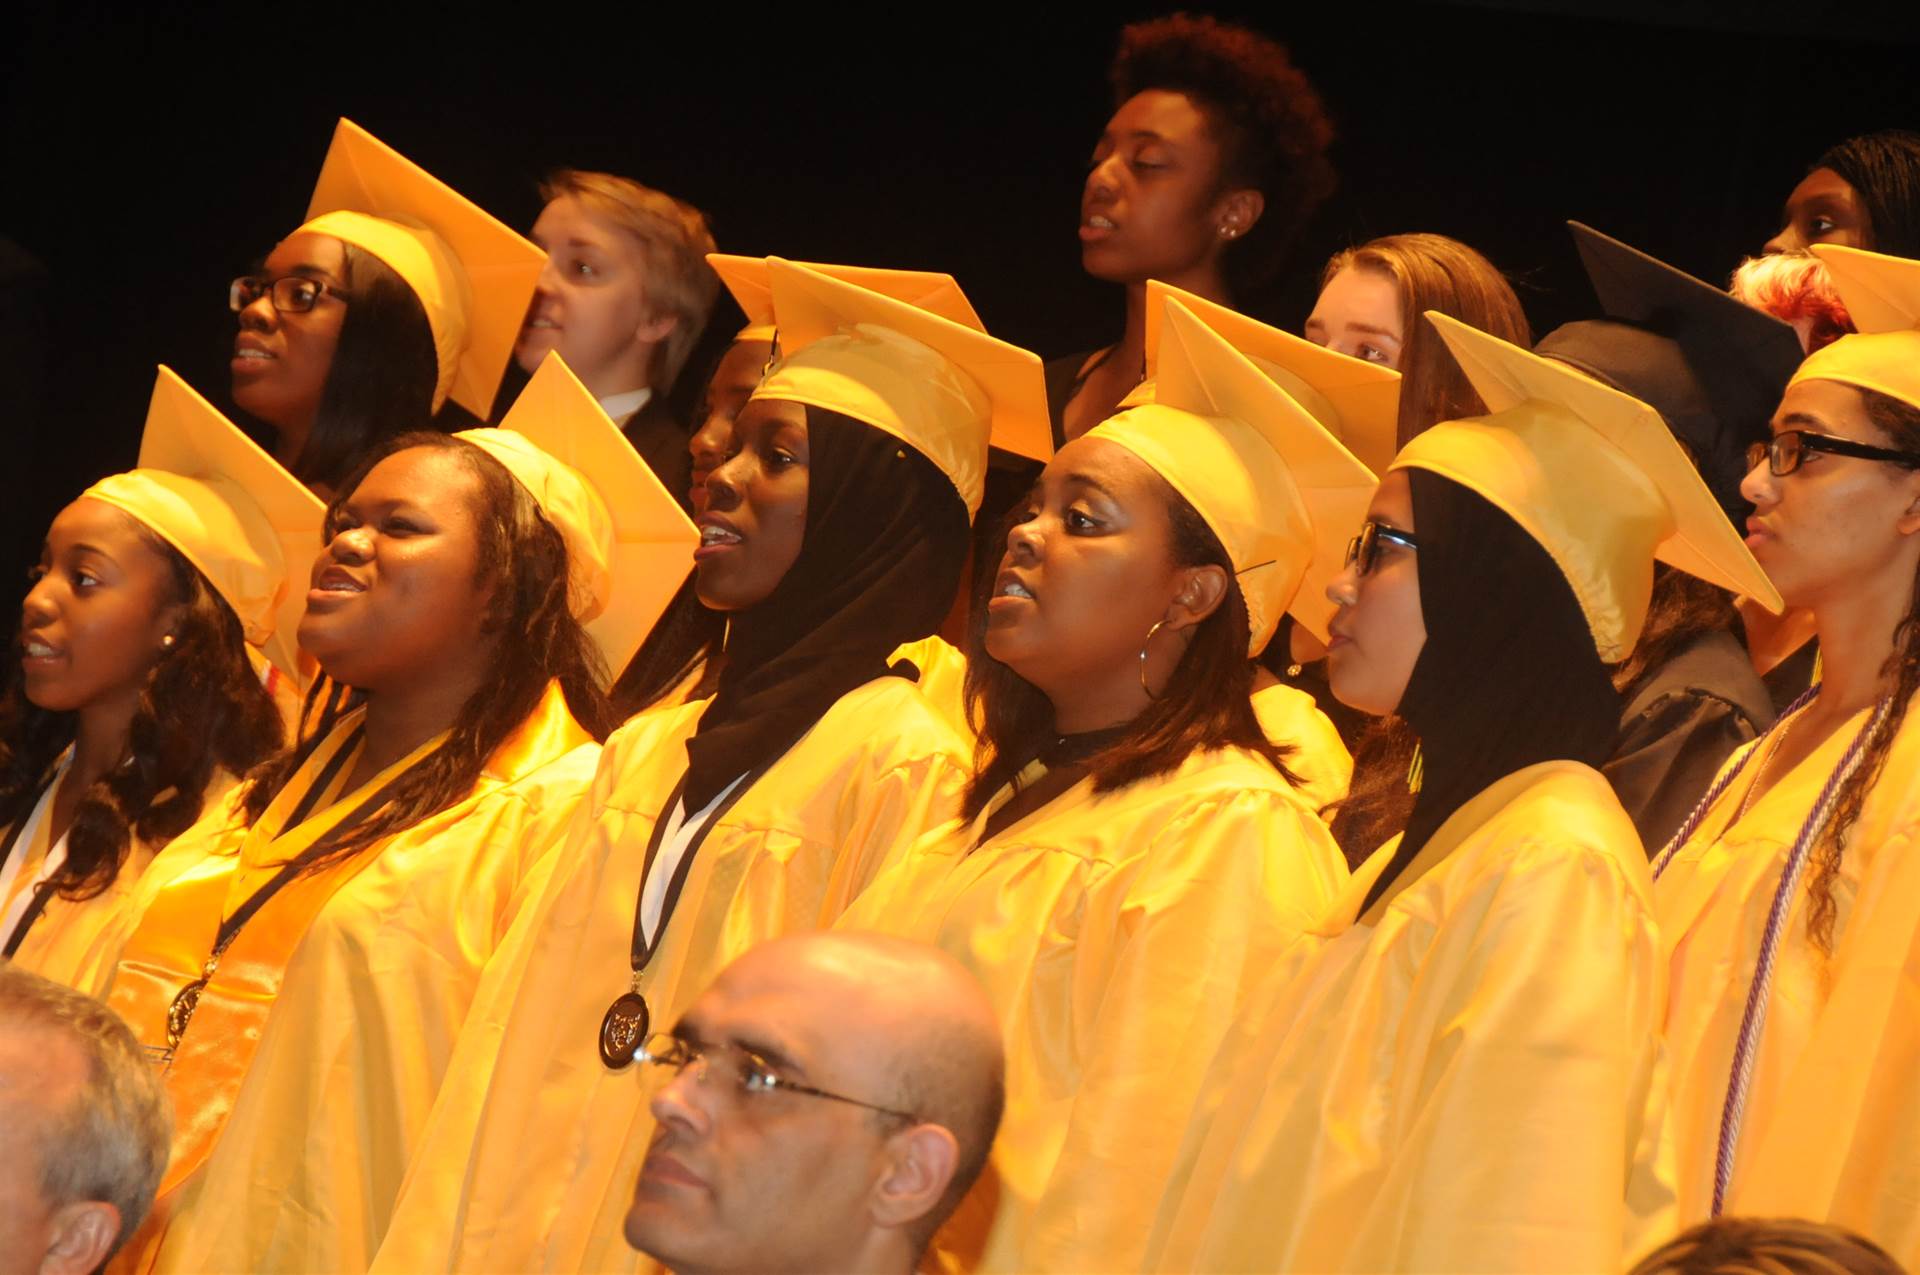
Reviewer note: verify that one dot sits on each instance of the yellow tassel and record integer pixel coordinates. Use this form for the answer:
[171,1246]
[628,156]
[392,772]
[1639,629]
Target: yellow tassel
[1814,680]
[1417,770]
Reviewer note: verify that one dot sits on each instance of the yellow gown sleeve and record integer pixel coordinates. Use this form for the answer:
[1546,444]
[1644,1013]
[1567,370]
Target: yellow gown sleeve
[1319,757]
[1474,1085]
[1169,953]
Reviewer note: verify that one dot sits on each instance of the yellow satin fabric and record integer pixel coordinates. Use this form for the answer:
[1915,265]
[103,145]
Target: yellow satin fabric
[1288,716]
[77,942]
[1831,1124]
[943,678]
[1466,1078]
[1118,936]
[358,987]
[528,1087]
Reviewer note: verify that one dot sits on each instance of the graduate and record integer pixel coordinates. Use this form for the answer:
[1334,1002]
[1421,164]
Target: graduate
[1788,903]
[1713,368]
[136,702]
[1134,851]
[675,665]
[834,532]
[396,296]
[305,956]
[1355,401]
[1465,1074]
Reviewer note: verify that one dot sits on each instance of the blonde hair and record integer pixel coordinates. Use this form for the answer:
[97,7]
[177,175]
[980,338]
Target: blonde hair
[1433,272]
[674,243]
[1795,287]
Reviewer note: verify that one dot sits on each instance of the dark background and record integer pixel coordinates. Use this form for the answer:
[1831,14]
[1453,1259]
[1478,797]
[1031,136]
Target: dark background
[149,158]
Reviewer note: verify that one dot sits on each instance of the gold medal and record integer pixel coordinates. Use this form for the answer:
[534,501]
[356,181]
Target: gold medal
[622,1030]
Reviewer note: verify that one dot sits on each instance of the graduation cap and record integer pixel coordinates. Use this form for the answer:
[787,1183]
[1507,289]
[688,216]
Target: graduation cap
[473,274]
[629,545]
[1358,401]
[245,523]
[1883,296]
[747,279]
[1279,490]
[1593,475]
[944,387]
[1711,365]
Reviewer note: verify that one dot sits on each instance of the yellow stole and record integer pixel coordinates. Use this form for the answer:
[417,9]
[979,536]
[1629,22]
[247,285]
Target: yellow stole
[179,931]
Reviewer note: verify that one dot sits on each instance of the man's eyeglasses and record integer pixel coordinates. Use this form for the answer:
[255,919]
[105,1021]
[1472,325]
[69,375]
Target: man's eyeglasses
[293,294]
[741,1070]
[1363,551]
[1785,450]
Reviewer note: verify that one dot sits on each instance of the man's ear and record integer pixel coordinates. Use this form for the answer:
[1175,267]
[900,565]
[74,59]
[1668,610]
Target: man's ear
[83,1236]
[1200,593]
[921,1163]
[655,328]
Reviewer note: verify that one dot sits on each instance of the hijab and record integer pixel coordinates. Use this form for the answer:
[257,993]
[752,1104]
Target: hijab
[1509,676]
[883,545]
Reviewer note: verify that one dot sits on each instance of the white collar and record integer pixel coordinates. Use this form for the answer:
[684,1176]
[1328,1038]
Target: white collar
[621,406]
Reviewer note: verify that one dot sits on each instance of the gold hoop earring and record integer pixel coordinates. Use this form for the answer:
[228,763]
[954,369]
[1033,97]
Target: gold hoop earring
[1143,658]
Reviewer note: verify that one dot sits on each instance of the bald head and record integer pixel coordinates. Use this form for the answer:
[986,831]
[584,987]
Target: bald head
[887,1095]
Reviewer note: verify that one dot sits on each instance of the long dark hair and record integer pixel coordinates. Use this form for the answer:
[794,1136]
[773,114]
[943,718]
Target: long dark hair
[1901,423]
[687,637]
[1206,704]
[1884,170]
[1682,610]
[539,642]
[203,706]
[383,375]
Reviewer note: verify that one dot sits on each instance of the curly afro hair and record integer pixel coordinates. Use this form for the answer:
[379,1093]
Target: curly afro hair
[1272,127]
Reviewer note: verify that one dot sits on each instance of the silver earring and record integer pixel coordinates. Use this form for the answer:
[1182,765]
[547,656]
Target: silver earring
[1143,658]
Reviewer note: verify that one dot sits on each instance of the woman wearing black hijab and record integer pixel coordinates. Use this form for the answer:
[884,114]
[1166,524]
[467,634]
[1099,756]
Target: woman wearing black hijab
[1463,1073]
[834,532]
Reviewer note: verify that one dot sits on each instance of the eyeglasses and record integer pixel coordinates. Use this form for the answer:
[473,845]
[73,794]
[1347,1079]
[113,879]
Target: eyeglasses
[1364,549]
[741,1069]
[293,294]
[1785,450]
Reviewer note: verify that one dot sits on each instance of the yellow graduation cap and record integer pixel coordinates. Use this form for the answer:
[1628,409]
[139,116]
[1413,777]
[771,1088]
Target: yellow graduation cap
[1593,475]
[1278,489]
[1358,401]
[1883,296]
[943,386]
[628,544]
[747,279]
[474,275]
[246,524]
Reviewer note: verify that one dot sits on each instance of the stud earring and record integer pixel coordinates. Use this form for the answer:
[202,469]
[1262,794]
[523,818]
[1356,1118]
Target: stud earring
[166,641]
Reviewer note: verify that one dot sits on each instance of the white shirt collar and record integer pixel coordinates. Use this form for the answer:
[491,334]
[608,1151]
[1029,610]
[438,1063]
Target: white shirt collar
[621,406]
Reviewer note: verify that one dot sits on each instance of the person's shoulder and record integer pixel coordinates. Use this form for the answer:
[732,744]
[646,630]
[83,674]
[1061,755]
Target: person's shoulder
[1557,817]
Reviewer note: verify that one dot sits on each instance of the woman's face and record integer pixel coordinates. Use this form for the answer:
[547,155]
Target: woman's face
[727,392]
[1836,525]
[98,614]
[591,302]
[281,361]
[756,515]
[397,594]
[1823,208]
[1358,314]
[1152,206]
[1088,570]
[1377,635]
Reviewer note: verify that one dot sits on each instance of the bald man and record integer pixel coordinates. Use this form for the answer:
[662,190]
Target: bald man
[825,1105]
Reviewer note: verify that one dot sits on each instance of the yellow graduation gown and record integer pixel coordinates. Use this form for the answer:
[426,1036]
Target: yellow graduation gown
[1832,1130]
[303,1175]
[1118,935]
[1466,1078]
[534,1148]
[1289,716]
[75,941]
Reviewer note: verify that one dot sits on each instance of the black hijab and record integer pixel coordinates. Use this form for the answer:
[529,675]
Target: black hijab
[884,542]
[1508,677]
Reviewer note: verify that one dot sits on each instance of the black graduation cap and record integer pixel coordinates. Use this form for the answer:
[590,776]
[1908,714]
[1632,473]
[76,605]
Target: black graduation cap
[1712,366]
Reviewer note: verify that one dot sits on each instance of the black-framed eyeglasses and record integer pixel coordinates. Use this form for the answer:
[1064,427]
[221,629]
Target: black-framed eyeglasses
[1785,450]
[742,1069]
[292,294]
[1363,551]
